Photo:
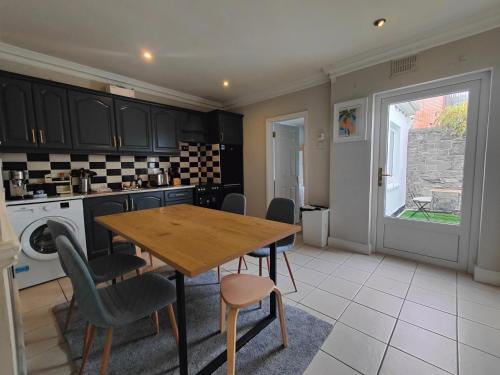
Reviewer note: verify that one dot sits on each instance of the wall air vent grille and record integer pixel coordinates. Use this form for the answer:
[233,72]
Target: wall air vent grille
[403,65]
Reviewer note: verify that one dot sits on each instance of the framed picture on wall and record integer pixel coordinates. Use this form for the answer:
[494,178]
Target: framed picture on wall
[349,120]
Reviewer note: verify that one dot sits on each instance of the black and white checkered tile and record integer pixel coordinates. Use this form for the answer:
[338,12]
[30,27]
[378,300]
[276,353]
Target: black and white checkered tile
[112,170]
[210,171]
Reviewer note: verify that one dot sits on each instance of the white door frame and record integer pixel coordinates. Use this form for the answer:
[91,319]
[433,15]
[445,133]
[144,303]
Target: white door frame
[485,77]
[270,154]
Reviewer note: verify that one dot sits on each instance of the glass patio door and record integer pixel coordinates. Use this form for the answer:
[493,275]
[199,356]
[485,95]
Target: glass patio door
[426,171]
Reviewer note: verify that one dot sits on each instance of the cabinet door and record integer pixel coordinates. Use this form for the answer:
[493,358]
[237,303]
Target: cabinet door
[193,128]
[17,119]
[231,127]
[143,201]
[92,121]
[178,196]
[52,116]
[96,234]
[165,130]
[133,125]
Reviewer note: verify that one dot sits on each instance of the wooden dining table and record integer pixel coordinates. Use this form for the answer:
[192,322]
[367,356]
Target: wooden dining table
[194,240]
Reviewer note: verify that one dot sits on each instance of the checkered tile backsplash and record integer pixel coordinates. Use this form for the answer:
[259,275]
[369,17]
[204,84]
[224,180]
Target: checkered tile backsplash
[195,164]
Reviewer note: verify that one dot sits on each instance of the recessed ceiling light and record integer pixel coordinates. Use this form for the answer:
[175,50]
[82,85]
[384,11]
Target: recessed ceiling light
[225,83]
[380,22]
[147,55]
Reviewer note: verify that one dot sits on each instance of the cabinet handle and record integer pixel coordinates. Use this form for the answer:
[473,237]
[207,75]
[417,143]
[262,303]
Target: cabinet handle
[132,206]
[120,141]
[42,139]
[126,205]
[33,136]
[114,141]
[221,137]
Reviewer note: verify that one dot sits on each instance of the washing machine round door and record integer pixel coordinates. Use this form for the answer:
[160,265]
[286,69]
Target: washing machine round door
[37,242]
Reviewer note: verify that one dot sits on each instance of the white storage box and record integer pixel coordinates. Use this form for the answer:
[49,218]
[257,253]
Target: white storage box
[315,227]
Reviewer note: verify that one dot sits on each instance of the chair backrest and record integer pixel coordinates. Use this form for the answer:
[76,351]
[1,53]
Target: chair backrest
[57,229]
[283,210]
[89,302]
[235,203]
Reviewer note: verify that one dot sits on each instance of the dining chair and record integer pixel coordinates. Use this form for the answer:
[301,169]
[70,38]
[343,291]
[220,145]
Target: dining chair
[102,269]
[237,204]
[115,305]
[238,292]
[117,239]
[283,210]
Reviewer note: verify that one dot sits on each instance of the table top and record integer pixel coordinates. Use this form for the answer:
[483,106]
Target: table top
[192,239]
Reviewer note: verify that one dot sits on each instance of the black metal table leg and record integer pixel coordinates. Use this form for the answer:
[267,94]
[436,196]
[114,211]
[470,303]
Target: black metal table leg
[111,250]
[272,275]
[181,322]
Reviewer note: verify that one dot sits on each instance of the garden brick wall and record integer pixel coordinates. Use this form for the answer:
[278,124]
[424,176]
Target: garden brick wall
[435,160]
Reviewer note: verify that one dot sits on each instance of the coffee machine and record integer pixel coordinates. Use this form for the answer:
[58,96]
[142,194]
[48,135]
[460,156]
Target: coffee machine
[18,184]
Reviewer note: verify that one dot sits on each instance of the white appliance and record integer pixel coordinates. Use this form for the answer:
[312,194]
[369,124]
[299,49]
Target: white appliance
[38,259]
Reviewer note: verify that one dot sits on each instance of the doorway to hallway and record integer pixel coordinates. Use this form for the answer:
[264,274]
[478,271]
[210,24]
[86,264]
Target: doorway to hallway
[286,153]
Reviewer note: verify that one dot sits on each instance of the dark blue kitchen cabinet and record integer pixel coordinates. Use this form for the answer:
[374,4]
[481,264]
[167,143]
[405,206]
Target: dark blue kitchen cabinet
[133,126]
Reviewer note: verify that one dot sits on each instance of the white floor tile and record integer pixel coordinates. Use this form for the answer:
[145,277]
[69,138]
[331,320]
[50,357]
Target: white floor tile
[484,296]
[398,363]
[286,286]
[323,364]
[354,348]
[474,362]
[326,303]
[428,346]
[365,263]
[322,265]
[434,320]
[310,251]
[335,256]
[299,259]
[368,321]
[351,274]
[479,336]
[309,276]
[390,286]
[391,261]
[340,287]
[435,284]
[443,302]
[380,301]
[479,313]
[400,274]
[315,313]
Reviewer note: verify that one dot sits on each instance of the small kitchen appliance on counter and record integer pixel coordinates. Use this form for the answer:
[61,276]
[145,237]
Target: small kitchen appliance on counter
[18,184]
[84,179]
[159,179]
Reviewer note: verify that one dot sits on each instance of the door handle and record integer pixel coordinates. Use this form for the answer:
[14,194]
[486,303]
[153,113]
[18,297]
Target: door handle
[381,174]
[33,136]
[42,138]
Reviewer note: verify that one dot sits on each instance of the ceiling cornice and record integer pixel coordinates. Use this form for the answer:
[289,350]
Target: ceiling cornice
[302,84]
[418,43]
[32,58]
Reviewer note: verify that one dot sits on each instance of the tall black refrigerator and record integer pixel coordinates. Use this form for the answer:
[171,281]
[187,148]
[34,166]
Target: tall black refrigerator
[231,164]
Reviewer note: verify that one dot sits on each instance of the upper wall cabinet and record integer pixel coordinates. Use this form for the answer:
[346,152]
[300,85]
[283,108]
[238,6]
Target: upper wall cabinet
[193,128]
[133,126]
[225,127]
[92,121]
[52,117]
[17,120]
[165,129]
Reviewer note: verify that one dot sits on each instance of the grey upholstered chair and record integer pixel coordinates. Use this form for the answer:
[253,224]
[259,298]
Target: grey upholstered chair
[237,204]
[101,269]
[283,210]
[117,304]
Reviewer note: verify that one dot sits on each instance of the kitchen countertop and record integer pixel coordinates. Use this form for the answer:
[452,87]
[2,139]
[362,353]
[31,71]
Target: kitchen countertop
[95,194]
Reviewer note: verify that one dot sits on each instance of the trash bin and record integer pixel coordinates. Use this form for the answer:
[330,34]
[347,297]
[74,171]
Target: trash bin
[315,225]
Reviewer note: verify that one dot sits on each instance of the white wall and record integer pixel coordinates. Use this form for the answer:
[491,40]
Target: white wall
[351,163]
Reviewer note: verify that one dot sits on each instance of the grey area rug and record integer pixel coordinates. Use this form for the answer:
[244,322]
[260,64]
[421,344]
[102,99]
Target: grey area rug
[137,350]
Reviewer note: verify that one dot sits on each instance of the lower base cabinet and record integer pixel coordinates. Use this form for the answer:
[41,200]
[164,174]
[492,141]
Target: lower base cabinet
[97,236]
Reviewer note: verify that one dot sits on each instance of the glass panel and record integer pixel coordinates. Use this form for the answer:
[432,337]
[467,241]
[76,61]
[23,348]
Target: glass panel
[41,240]
[425,158]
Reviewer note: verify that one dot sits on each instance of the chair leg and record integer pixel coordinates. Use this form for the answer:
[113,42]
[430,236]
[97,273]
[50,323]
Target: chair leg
[290,270]
[151,259]
[260,274]
[218,274]
[231,340]
[239,264]
[244,261]
[222,318]
[173,322]
[268,266]
[107,351]
[87,344]
[284,334]
[70,313]
[156,321]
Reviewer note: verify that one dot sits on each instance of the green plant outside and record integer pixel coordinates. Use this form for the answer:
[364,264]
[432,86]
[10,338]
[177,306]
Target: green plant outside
[454,118]
[436,217]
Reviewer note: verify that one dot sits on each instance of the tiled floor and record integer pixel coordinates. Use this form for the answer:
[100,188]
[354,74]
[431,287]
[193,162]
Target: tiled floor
[390,316]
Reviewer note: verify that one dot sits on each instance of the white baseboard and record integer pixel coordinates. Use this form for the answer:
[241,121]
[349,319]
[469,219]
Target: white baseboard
[349,245]
[483,275]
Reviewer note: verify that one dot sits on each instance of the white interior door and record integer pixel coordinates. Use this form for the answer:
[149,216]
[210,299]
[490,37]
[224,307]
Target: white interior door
[427,159]
[286,163]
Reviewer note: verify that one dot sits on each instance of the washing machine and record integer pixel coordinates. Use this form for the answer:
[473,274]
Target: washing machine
[38,259]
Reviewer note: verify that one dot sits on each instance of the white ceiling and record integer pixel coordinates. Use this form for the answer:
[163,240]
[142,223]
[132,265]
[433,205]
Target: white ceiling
[259,46]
